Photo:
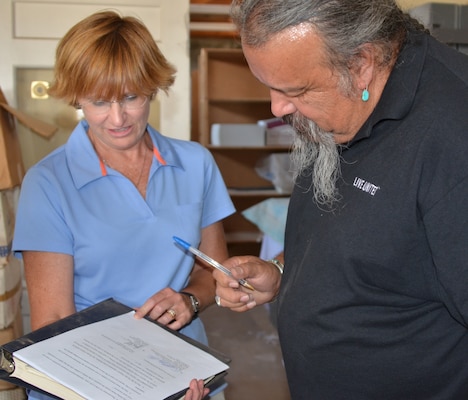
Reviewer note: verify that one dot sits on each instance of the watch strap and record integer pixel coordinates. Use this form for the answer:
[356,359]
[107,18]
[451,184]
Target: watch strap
[278,264]
[194,301]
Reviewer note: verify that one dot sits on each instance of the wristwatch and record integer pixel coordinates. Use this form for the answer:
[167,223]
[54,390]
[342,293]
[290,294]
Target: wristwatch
[194,301]
[278,264]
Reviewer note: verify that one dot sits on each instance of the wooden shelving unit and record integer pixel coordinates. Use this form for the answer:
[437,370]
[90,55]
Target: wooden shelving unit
[229,93]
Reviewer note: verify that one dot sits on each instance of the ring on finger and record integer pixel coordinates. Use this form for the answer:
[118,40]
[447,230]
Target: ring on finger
[218,301]
[172,313]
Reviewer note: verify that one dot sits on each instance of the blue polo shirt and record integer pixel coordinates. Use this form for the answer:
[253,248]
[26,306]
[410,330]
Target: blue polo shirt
[121,243]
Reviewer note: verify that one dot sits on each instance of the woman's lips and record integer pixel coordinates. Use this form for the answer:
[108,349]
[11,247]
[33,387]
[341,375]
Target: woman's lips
[120,131]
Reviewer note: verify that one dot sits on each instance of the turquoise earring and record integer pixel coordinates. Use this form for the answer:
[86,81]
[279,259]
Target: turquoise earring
[365,95]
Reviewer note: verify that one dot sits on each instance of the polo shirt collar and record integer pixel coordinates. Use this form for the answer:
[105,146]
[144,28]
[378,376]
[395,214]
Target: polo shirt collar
[83,161]
[402,85]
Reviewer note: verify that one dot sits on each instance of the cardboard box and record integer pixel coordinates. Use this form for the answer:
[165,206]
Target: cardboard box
[10,290]
[277,132]
[12,332]
[8,204]
[17,393]
[11,163]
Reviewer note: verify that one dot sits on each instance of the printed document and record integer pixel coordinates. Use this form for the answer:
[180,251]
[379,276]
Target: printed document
[119,358]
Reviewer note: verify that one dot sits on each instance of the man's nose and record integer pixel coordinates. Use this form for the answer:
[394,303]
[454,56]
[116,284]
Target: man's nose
[281,105]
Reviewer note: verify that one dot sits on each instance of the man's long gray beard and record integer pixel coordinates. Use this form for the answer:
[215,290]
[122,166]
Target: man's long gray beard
[317,148]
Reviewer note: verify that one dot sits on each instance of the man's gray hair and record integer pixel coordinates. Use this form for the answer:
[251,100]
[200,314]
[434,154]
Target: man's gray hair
[343,25]
[346,28]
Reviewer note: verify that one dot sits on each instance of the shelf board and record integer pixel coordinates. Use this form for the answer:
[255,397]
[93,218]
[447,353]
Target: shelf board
[244,237]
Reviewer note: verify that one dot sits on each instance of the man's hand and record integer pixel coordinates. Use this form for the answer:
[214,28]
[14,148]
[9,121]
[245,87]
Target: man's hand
[262,275]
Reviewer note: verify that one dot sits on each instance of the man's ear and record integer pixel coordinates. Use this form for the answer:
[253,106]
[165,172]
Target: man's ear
[364,66]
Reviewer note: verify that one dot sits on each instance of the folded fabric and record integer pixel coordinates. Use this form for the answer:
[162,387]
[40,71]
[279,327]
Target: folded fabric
[270,248]
[276,168]
[270,217]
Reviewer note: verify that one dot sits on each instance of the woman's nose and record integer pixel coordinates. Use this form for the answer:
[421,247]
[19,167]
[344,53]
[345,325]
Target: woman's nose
[280,104]
[116,112]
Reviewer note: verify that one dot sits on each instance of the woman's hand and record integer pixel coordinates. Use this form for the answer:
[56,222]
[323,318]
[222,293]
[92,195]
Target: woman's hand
[169,308]
[262,275]
[196,390]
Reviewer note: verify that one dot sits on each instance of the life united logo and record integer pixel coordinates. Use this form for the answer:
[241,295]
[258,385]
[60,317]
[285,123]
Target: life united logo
[366,186]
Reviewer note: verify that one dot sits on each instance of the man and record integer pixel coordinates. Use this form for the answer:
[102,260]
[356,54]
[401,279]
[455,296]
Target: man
[373,301]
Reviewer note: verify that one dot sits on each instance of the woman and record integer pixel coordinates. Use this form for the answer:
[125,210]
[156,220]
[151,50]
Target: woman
[96,217]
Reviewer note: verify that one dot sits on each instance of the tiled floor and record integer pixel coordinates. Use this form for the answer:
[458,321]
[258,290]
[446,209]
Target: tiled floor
[250,340]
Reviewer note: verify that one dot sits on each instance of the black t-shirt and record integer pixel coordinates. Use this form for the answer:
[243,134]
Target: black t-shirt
[374,298]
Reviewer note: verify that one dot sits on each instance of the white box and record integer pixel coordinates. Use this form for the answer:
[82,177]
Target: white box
[237,135]
[282,135]
[10,290]
[8,204]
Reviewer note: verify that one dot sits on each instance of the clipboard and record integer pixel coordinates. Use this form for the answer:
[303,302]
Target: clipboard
[99,312]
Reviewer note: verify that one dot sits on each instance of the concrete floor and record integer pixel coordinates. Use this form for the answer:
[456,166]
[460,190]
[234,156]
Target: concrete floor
[256,371]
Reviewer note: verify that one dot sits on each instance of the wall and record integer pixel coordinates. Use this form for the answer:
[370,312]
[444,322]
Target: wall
[30,30]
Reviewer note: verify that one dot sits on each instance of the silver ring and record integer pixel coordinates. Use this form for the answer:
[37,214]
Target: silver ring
[172,313]
[218,301]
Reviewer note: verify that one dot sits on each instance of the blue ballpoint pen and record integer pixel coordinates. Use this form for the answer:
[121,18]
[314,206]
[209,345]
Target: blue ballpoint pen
[210,261]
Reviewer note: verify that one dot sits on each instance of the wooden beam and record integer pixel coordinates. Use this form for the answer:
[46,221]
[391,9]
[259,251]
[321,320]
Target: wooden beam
[211,19]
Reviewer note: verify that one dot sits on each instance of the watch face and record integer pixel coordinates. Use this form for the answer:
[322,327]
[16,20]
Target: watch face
[195,303]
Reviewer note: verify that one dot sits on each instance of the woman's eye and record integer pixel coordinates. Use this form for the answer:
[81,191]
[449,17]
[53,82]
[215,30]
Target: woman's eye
[130,98]
[99,103]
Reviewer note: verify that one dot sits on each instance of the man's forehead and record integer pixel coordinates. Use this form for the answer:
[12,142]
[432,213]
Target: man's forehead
[286,57]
